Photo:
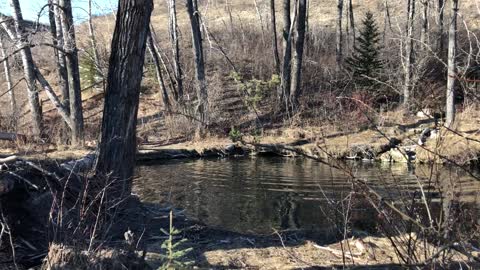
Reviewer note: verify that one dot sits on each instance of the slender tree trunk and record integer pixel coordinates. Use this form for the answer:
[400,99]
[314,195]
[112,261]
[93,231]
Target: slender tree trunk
[386,21]
[409,54]
[276,56]
[75,96]
[28,69]
[117,147]
[175,48]
[287,53]
[93,40]
[202,108]
[8,78]
[61,60]
[440,34]
[57,40]
[45,85]
[352,21]
[299,48]
[260,19]
[53,98]
[339,35]
[452,66]
[158,71]
[425,25]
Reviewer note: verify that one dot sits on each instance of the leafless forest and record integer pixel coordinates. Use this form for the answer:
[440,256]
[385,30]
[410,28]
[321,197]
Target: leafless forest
[83,98]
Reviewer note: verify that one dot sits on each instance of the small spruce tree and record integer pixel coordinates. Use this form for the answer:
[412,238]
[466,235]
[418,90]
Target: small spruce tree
[365,60]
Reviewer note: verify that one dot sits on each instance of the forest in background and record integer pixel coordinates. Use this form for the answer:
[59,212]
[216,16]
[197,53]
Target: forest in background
[243,67]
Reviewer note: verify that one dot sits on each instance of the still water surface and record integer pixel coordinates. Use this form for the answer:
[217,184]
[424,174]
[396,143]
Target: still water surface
[257,195]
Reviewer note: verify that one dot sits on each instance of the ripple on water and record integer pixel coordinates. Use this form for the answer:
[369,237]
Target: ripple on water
[258,194]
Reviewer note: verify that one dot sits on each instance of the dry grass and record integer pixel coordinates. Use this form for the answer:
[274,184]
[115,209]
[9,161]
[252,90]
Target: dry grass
[369,252]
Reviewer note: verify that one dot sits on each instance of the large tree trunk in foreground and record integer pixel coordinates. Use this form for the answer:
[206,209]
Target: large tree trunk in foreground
[117,148]
[452,66]
[409,56]
[299,48]
[28,70]
[76,113]
[202,107]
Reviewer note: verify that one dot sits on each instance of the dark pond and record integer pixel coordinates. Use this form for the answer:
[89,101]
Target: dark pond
[259,194]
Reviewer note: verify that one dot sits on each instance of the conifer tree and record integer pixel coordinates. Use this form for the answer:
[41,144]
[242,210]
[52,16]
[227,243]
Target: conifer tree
[365,60]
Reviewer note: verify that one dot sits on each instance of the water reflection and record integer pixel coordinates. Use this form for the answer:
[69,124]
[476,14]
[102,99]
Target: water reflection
[257,195]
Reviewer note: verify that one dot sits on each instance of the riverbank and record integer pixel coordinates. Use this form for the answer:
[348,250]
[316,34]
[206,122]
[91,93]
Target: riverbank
[420,142]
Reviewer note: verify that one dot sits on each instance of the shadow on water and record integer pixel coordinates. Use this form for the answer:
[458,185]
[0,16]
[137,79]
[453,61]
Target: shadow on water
[253,197]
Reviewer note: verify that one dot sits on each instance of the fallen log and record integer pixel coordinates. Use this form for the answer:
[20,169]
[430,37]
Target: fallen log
[8,136]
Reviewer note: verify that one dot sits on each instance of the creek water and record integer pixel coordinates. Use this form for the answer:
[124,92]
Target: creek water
[261,194]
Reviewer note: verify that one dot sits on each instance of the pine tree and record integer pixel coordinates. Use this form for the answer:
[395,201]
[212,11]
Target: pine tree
[365,60]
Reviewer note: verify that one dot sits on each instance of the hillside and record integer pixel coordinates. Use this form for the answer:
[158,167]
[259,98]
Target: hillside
[237,28]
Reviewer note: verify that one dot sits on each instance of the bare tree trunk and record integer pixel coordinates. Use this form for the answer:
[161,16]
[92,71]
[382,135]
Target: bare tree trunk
[283,93]
[57,40]
[440,34]
[93,40]
[409,51]
[299,48]
[117,147]
[158,71]
[260,19]
[45,85]
[175,48]
[276,56]
[75,96]
[452,66]
[352,21]
[386,21]
[202,108]
[425,25]
[339,35]
[28,70]
[61,60]
[53,98]
[8,78]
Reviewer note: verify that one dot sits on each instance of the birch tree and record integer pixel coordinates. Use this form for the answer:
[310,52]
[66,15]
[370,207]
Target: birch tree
[409,55]
[75,96]
[158,71]
[173,29]
[8,79]
[117,147]
[299,48]
[452,65]
[20,37]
